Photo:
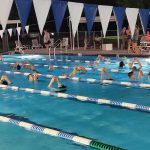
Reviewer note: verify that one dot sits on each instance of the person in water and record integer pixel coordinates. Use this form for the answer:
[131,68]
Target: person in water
[78,69]
[5,80]
[104,72]
[121,65]
[33,77]
[59,85]
[135,73]
[16,66]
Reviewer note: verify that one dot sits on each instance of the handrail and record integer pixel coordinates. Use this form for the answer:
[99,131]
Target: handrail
[56,47]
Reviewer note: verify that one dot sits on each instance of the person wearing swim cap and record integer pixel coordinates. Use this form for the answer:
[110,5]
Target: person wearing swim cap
[59,85]
[135,73]
[104,72]
[5,80]
[16,66]
[33,77]
[121,65]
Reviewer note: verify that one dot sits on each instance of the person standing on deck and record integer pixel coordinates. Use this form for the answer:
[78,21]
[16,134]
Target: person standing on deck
[46,39]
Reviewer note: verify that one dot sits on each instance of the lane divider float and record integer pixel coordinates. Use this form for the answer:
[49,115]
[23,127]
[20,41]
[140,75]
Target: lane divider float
[88,80]
[85,99]
[61,134]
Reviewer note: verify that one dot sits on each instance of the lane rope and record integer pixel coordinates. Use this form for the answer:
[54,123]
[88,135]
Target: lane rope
[85,99]
[61,134]
[88,80]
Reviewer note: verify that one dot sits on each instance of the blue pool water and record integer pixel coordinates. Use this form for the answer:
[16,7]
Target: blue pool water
[121,127]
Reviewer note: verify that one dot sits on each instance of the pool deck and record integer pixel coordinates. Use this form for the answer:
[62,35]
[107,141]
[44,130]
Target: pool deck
[86,52]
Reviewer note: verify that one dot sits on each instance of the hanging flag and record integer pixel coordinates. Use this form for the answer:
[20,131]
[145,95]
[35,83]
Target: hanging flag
[14,31]
[90,13]
[132,14]
[10,32]
[42,8]
[119,13]
[1,33]
[5,7]
[18,30]
[27,29]
[105,14]
[144,17]
[59,15]
[75,10]
[23,7]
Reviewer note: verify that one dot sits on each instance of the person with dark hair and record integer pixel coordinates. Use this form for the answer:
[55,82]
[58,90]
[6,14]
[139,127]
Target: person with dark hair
[5,80]
[16,66]
[121,64]
[60,87]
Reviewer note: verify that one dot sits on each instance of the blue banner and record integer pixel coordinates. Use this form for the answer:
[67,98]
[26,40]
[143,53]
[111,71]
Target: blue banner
[23,7]
[59,9]
[144,16]
[90,13]
[120,14]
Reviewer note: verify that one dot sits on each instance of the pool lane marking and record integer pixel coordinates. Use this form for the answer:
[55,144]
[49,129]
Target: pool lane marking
[81,98]
[58,133]
[87,68]
[88,80]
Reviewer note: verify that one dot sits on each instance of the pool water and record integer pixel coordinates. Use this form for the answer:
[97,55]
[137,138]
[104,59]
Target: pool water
[124,128]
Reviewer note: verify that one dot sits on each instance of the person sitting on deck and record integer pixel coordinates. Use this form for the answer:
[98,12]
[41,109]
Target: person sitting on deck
[78,69]
[5,80]
[135,70]
[104,72]
[16,66]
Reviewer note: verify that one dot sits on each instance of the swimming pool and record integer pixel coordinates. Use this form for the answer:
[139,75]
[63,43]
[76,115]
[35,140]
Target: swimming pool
[124,128]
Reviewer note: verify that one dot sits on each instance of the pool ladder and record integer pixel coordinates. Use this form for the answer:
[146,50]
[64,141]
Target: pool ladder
[56,44]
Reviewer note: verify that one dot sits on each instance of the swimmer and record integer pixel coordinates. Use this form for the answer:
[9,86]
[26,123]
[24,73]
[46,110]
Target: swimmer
[33,77]
[148,76]
[104,72]
[134,67]
[77,69]
[121,64]
[135,73]
[50,67]
[5,80]
[16,66]
[59,85]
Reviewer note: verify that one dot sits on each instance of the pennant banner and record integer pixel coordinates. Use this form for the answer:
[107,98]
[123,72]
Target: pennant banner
[10,32]
[75,10]
[18,30]
[105,14]
[27,29]
[119,13]
[144,17]
[132,14]
[5,7]
[23,7]
[90,13]
[1,33]
[42,8]
[59,8]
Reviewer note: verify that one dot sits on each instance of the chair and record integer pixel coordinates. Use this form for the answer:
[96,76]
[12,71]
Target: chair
[36,44]
[65,43]
[20,46]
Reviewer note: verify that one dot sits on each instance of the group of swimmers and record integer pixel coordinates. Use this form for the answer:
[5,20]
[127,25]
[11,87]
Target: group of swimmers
[134,73]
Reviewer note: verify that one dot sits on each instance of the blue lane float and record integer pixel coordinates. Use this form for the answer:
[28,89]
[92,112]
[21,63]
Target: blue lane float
[88,80]
[61,134]
[81,98]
